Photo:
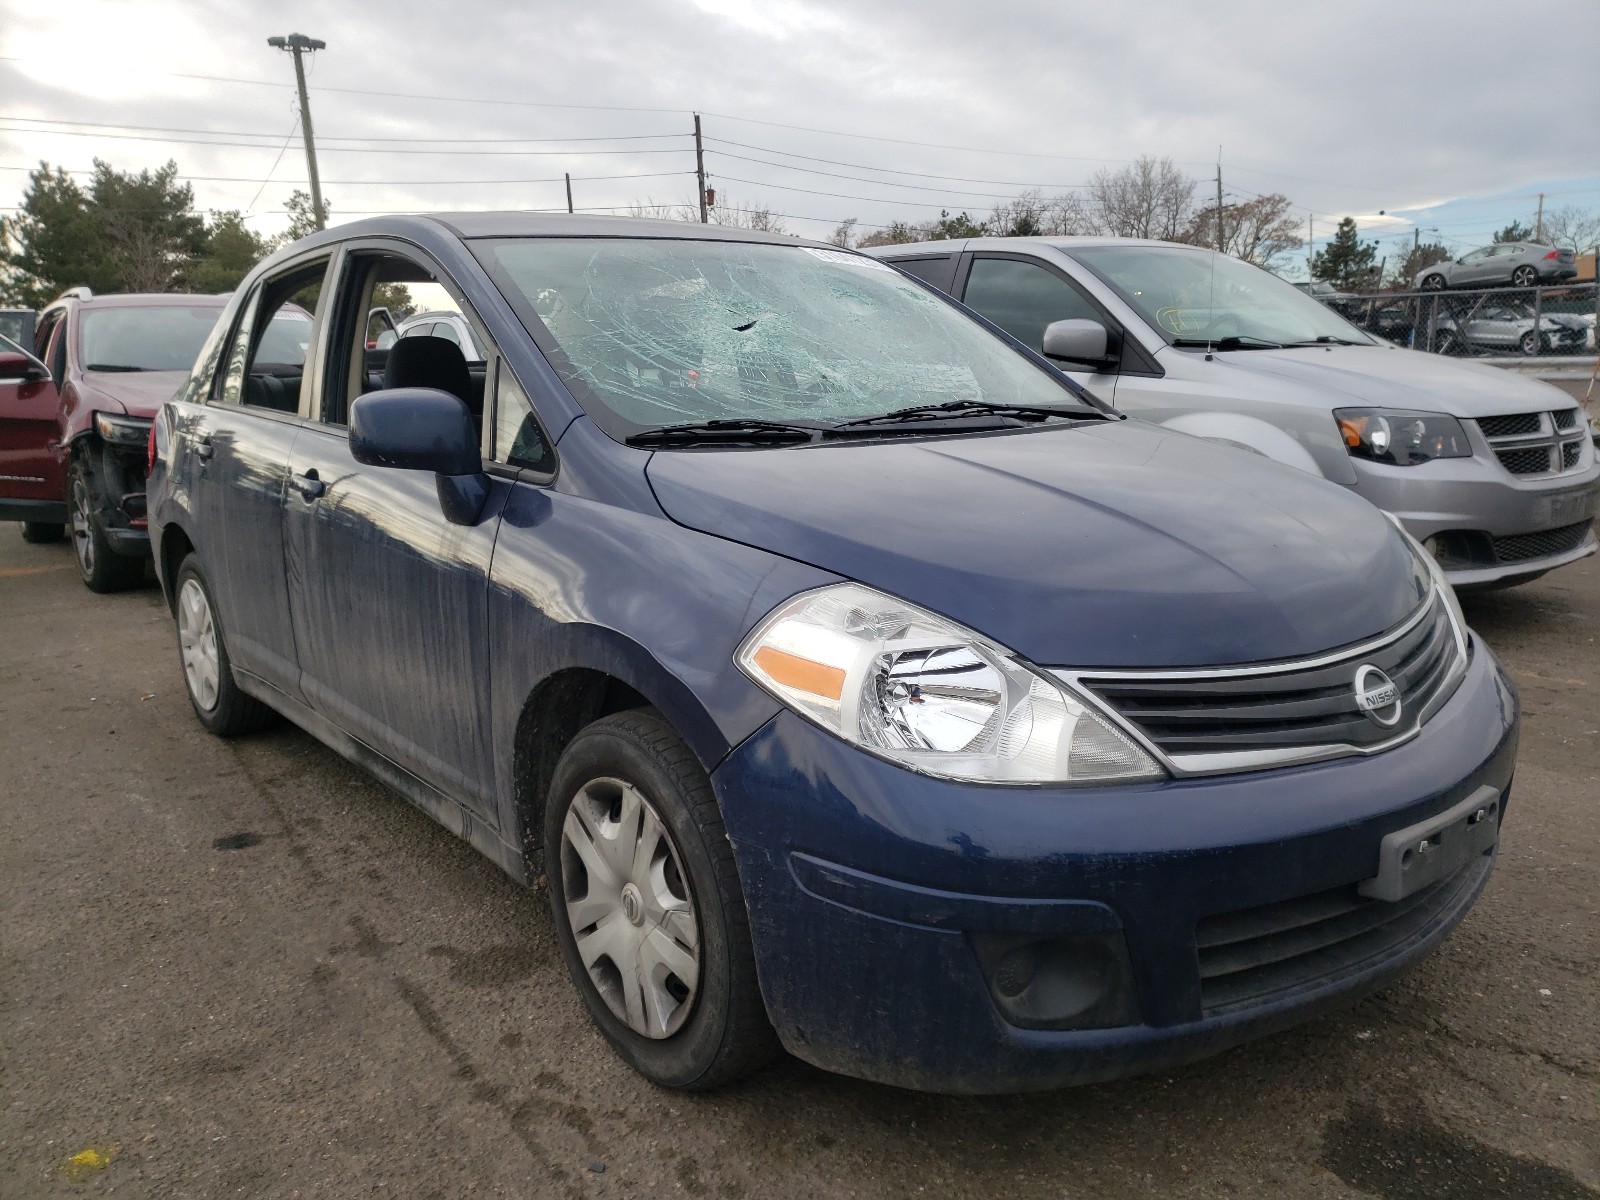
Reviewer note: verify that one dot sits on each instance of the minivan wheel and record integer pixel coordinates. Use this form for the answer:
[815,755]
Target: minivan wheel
[42,533]
[1524,277]
[102,568]
[647,905]
[207,676]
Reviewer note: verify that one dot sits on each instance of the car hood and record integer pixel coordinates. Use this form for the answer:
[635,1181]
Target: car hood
[1389,377]
[1115,545]
[137,393]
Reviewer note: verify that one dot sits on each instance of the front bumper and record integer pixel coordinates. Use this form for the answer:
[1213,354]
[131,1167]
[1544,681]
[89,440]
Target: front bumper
[1483,503]
[871,888]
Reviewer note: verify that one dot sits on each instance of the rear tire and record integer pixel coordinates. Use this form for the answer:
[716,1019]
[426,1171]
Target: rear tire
[102,568]
[1528,343]
[1524,277]
[217,701]
[42,533]
[627,792]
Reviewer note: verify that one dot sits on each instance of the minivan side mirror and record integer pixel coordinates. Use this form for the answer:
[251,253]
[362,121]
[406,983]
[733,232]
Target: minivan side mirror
[1079,341]
[16,364]
[424,429]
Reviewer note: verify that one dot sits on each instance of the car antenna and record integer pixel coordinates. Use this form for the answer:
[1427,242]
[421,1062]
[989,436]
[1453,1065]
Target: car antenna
[1211,302]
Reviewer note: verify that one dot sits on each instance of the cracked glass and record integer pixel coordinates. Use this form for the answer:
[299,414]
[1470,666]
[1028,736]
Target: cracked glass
[657,332]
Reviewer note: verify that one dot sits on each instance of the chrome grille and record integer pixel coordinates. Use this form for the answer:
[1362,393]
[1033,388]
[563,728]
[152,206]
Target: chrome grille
[1524,546]
[1255,717]
[1259,954]
[1532,443]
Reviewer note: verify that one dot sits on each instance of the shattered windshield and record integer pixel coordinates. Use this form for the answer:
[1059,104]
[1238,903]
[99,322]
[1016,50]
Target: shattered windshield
[656,332]
[1191,295]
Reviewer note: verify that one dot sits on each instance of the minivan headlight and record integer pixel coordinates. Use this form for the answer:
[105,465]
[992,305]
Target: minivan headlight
[1400,437]
[924,692]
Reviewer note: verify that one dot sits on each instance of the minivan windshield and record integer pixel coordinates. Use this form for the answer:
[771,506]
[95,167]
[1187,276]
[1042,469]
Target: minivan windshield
[655,332]
[1191,295]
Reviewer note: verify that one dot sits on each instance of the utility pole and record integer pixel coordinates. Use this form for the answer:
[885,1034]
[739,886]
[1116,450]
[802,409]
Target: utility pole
[1538,222]
[568,174]
[700,169]
[1222,242]
[298,44]
[1310,237]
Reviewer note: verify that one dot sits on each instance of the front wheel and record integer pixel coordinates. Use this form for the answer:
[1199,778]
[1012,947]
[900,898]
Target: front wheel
[1524,277]
[102,568]
[207,675]
[1528,343]
[647,905]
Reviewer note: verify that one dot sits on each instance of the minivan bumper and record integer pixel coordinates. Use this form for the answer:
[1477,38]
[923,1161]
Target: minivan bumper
[879,898]
[1489,519]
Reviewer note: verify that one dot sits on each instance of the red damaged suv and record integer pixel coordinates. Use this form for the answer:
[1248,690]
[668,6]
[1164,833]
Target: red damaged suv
[75,418]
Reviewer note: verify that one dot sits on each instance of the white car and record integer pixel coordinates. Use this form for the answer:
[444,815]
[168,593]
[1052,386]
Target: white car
[451,325]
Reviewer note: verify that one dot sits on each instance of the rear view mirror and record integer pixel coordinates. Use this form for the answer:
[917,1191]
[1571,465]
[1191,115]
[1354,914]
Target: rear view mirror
[423,429]
[1079,341]
[17,364]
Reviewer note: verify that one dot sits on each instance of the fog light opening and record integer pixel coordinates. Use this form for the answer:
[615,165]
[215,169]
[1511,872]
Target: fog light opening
[1060,981]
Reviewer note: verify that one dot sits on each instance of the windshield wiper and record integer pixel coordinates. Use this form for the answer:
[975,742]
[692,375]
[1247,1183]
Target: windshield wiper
[113,367]
[978,408]
[1327,339]
[1234,341]
[728,431]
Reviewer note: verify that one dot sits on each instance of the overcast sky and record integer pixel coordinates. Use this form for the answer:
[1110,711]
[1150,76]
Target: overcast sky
[1447,115]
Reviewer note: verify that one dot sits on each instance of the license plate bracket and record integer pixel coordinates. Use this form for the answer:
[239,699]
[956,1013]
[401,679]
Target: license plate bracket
[1410,859]
[1571,507]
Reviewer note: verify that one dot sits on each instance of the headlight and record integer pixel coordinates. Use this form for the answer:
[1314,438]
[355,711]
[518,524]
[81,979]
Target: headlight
[926,693]
[1399,437]
[122,431]
[1458,619]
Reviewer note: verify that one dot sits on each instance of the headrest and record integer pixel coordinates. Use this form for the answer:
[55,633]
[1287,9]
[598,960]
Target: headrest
[429,362]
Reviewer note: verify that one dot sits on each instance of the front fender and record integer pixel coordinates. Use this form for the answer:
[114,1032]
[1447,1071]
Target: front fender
[1247,433]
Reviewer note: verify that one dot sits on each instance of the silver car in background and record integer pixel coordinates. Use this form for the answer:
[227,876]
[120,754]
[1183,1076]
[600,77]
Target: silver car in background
[1494,472]
[1511,328]
[1520,264]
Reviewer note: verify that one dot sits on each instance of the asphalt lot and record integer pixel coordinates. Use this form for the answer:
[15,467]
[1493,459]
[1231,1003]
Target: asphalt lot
[245,969]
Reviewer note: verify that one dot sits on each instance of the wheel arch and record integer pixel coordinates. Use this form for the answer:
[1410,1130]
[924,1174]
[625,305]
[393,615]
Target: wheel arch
[1248,433]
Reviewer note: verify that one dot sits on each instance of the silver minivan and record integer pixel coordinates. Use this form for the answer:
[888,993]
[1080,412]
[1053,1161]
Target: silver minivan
[1494,472]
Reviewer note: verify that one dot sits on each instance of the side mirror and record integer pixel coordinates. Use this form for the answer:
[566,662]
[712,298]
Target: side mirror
[424,429]
[1079,341]
[17,364]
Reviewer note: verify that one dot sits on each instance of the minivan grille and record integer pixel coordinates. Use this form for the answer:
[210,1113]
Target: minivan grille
[1533,443]
[1259,954]
[1524,546]
[1292,708]
[1515,425]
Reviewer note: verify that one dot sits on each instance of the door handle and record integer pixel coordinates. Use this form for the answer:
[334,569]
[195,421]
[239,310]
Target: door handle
[308,485]
[203,448]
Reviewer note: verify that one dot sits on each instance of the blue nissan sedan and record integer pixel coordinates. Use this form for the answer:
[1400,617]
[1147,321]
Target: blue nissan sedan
[860,685]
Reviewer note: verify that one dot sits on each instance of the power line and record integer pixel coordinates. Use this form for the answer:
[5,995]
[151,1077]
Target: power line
[386,182]
[189,141]
[893,170]
[637,137]
[921,187]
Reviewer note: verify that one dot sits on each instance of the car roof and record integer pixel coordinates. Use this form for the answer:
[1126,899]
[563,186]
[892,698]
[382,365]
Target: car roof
[525,224]
[150,300]
[954,245]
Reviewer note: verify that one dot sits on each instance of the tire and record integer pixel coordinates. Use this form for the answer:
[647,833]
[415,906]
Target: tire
[1449,343]
[1528,344]
[1524,277]
[1431,283]
[616,775]
[203,656]
[102,568]
[42,533]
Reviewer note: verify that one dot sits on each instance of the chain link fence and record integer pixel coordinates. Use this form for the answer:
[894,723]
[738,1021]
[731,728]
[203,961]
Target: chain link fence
[1512,322]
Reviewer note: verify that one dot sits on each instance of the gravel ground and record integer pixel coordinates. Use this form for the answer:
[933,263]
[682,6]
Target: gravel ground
[245,969]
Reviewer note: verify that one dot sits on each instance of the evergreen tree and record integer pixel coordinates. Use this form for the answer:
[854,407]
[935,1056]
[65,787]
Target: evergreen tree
[1515,232]
[1346,262]
[54,242]
[150,232]
[231,249]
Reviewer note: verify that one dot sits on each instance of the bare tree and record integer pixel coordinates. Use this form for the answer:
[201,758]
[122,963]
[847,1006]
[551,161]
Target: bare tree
[1572,228]
[1260,231]
[843,233]
[1151,198]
